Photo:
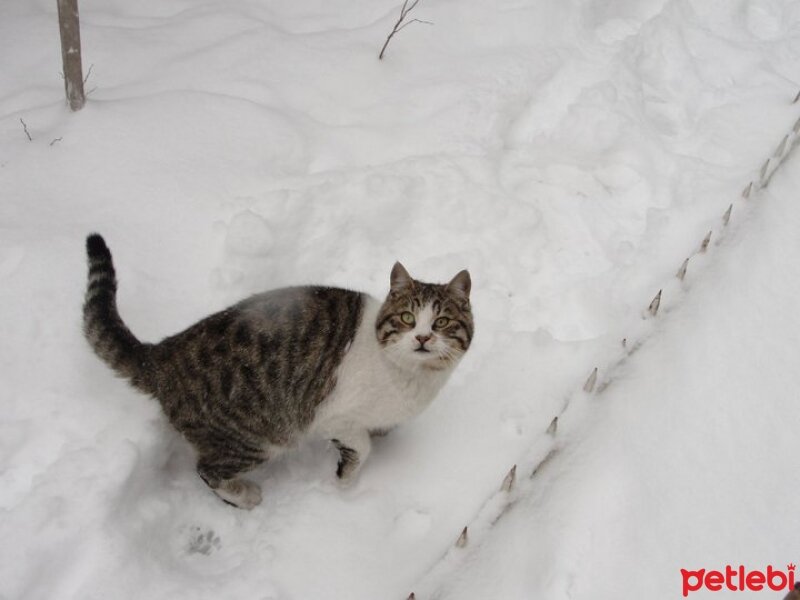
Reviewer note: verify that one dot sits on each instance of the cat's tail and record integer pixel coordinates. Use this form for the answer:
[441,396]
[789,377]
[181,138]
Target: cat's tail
[108,335]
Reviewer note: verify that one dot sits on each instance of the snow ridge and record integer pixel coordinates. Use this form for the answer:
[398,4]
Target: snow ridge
[546,447]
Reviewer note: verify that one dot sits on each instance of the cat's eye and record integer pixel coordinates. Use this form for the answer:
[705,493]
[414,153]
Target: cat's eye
[407,318]
[441,322]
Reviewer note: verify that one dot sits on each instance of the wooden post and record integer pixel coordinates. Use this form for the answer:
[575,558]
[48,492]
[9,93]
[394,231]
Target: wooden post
[71,52]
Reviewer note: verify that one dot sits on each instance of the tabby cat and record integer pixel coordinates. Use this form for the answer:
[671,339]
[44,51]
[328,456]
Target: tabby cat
[244,384]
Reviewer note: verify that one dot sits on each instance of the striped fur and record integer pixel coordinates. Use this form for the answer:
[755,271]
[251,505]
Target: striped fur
[246,382]
[102,325]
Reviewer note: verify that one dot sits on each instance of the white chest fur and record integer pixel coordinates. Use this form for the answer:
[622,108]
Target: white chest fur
[373,392]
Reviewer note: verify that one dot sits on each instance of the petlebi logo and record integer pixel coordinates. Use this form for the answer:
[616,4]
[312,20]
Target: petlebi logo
[739,579]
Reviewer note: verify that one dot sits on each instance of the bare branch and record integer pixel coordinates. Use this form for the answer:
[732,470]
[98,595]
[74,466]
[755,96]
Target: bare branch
[414,21]
[404,10]
[58,139]
[89,72]
[25,128]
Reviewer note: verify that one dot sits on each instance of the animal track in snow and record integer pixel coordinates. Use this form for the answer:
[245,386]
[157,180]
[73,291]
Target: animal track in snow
[203,542]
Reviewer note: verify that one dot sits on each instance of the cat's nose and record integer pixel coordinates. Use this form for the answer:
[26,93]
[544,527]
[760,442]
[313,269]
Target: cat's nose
[422,339]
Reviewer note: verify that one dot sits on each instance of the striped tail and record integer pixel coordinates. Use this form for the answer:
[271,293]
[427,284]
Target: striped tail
[103,327]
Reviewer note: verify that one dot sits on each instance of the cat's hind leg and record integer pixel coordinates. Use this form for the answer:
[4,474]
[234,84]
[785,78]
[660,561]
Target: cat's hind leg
[354,446]
[221,472]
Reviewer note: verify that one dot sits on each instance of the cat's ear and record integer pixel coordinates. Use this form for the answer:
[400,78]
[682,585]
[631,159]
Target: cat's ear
[461,284]
[400,279]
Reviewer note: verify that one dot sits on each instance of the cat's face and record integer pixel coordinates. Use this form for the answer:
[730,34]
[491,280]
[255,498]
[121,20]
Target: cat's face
[425,324]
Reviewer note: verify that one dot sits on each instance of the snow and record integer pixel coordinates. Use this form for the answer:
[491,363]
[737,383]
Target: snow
[571,154]
[687,459]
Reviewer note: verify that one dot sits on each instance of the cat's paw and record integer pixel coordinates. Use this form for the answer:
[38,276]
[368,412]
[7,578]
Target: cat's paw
[241,493]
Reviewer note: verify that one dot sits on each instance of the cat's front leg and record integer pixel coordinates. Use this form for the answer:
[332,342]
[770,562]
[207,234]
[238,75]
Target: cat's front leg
[354,446]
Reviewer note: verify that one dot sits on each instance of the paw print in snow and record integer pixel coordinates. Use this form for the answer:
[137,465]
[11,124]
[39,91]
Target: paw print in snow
[203,542]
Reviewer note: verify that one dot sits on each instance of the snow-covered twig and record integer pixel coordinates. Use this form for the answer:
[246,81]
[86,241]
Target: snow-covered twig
[25,128]
[726,218]
[682,271]
[548,457]
[779,151]
[404,10]
[590,381]
[762,176]
[706,241]
[552,429]
[508,482]
[654,304]
[463,539]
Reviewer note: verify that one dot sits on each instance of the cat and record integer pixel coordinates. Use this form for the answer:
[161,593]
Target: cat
[246,383]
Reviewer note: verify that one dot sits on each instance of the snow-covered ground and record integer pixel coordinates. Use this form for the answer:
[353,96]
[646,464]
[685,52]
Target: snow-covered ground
[571,154]
[689,459]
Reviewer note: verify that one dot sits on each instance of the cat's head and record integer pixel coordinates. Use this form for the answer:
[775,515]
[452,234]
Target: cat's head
[426,325]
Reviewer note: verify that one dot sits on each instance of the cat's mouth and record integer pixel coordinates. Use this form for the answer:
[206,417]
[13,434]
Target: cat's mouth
[421,349]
